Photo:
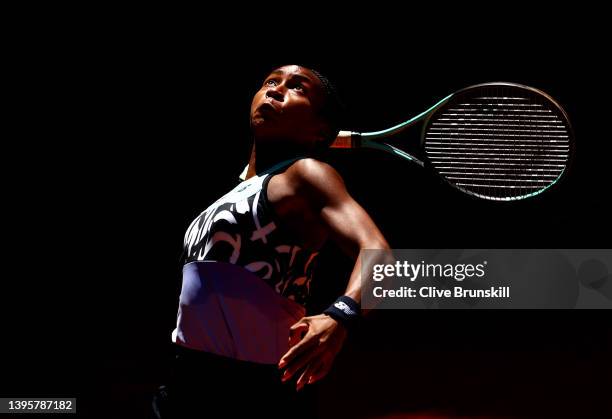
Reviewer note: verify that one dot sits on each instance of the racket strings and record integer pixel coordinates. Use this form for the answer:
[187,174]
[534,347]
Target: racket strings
[500,143]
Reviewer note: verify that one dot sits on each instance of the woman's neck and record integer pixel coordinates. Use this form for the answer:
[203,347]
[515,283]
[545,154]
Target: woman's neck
[263,157]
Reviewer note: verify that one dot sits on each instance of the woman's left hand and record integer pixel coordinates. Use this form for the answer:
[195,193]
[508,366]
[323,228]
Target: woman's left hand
[314,343]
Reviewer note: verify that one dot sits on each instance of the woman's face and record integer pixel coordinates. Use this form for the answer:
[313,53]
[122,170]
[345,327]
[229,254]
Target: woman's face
[285,108]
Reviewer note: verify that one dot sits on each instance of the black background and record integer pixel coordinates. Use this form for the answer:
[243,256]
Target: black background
[141,122]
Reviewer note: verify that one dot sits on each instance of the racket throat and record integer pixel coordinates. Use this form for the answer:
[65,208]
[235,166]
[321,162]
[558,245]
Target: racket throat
[390,149]
[347,139]
[350,139]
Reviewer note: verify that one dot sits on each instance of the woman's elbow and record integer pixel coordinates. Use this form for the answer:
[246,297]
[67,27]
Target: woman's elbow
[378,243]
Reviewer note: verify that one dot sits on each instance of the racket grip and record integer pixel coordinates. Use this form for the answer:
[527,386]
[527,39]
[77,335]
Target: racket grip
[346,139]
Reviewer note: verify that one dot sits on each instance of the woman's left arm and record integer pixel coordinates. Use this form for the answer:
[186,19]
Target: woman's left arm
[316,340]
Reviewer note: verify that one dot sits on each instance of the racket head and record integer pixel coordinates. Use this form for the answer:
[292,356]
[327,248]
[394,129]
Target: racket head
[499,141]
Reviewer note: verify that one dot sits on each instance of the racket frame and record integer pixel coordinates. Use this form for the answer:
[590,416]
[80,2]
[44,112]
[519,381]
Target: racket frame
[352,139]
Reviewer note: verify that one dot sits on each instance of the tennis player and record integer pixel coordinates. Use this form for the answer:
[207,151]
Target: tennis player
[244,344]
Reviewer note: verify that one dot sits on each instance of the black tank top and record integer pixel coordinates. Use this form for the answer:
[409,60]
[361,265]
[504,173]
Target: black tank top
[241,228]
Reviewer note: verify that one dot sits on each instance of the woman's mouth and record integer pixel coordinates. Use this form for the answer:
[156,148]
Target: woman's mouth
[269,106]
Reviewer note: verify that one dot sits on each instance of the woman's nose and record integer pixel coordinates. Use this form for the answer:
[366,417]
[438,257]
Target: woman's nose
[275,93]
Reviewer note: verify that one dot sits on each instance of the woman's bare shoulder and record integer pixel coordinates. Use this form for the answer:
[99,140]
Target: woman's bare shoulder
[314,172]
[315,180]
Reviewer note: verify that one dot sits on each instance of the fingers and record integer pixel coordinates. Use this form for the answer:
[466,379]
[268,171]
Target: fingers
[297,350]
[315,371]
[297,333]
[302,322]
[305,376]
[296,364]
[313,344]
[320,372]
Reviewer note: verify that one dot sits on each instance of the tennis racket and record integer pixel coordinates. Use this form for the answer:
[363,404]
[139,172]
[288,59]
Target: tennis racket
[496,141]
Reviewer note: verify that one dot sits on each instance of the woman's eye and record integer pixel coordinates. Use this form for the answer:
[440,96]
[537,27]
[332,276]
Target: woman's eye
[299,87]
[271,83]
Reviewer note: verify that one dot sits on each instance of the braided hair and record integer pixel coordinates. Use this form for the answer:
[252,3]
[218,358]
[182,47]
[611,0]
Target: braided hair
[332,110]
